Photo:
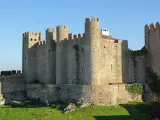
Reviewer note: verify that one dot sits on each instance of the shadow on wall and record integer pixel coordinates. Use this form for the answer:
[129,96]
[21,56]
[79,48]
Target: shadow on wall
[124,50]
[13,92]
[37,68]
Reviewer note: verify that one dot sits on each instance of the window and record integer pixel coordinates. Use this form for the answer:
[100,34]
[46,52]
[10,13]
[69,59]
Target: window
[34,39]
[104,46]
[116,41]
[25,58]
[111,66]
[31,39]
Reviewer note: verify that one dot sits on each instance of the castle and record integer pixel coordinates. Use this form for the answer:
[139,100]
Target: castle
[93,67]
[91,58]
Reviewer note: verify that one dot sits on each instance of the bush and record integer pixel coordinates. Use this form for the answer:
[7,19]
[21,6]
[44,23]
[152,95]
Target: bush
[142,52]
[135,88]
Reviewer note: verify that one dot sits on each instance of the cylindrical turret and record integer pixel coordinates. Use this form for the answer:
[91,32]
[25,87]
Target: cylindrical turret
[62,33]
[40,36]
[51,59]
[92,50]
[61,66]
[146,30]
[51,36]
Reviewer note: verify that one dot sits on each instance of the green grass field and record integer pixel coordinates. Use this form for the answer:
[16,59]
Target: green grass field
[33,112]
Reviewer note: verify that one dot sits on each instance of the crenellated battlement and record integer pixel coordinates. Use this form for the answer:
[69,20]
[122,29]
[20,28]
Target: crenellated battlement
[80,36]
[87,20]
[61,29]
[62,33]
[93,19]
[75,36]
[32,33]
[70,36]
[32,36]
[41,43]
[50,30]
[65,27]
[152,28]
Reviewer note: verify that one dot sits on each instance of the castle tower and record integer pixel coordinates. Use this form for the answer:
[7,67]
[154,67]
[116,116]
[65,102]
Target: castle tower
[61,67]
[29,55]
[152,44]
[51,58]
[147,30]
[92,51]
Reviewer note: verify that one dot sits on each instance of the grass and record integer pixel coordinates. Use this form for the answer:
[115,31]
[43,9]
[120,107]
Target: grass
[32,112]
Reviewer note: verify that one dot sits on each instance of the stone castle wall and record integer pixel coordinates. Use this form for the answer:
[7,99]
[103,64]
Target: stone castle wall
[136,68]
[42,92]
[37,59]
[12,87]
[13,92]
[113,62]
[98,95]
[13,79]
[152,44]
[74,59]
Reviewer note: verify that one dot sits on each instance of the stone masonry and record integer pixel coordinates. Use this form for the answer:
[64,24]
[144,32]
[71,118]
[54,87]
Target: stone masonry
[90,58]
[91,66]
[152,44]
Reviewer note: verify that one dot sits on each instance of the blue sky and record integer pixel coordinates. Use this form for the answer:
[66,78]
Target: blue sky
[124,18]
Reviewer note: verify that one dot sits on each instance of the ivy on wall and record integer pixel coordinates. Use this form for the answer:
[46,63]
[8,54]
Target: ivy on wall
[135,88]
[142,52]
[77,58]
[153,80]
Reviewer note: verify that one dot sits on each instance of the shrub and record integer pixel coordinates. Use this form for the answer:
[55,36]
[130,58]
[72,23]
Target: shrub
[135,88]
[141,52]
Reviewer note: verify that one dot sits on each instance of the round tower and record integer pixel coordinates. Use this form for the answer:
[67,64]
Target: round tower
[62,36]
[147,30]
[92,50]
[50,55]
